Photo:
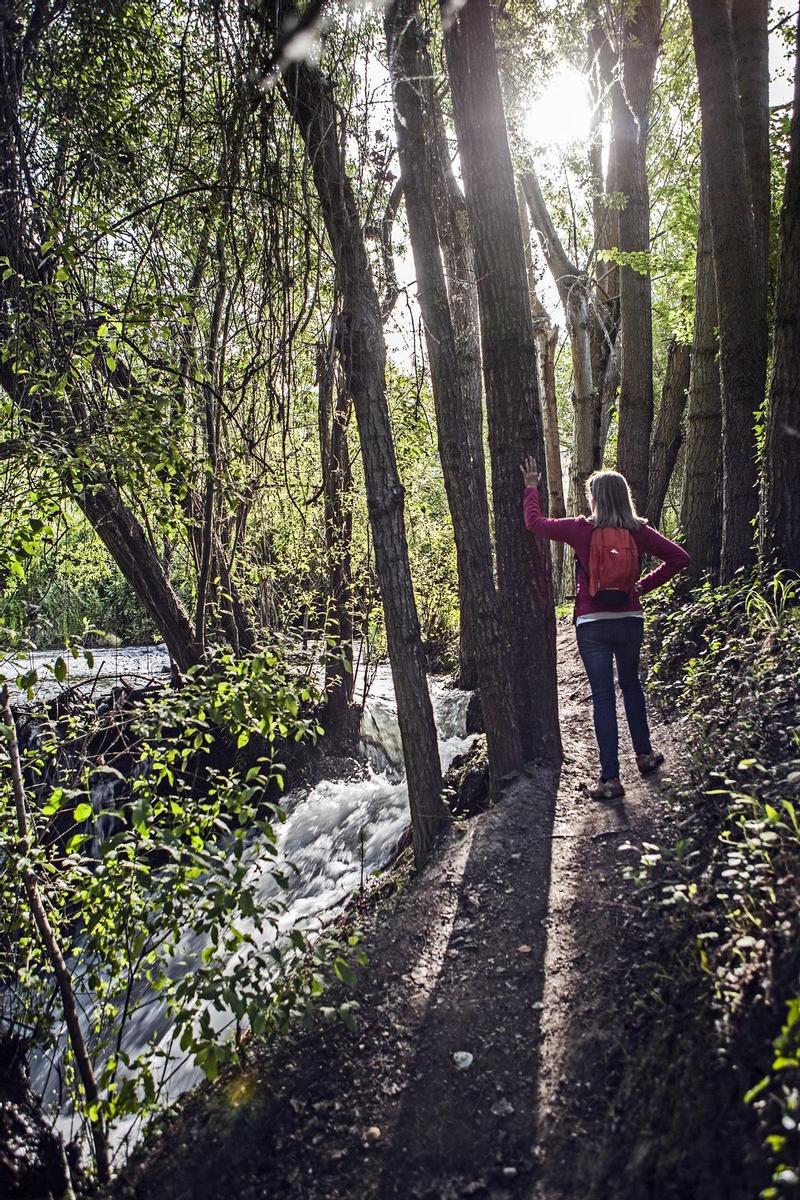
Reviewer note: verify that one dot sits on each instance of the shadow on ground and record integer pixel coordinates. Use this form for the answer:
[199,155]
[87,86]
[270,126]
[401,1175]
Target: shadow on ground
[455,971]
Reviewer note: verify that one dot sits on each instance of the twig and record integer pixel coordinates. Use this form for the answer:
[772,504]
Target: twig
[60,969]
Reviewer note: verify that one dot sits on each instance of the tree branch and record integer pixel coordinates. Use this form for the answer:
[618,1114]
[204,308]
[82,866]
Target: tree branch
[563,270]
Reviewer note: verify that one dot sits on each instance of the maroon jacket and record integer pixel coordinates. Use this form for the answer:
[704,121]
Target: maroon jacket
[577,533]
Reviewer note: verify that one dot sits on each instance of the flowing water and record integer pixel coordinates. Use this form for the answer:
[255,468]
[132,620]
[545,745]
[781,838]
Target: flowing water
[131,664]
[335,834]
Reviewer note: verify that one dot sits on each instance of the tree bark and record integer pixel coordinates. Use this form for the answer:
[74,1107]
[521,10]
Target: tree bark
[545,336]
[236,621]
[742,319]
[459,267]
[308,96]
[630,102]
[780,510]
[573,290]
[337,483]
[668,433]
[463,484]
[750,20]
[605,221]
[132,551]
[509,367]
[701,501]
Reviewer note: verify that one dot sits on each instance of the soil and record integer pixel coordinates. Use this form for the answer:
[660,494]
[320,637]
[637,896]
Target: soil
[512,1040]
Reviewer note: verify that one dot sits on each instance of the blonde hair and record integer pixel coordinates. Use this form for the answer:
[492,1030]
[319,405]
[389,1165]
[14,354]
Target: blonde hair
[610,497]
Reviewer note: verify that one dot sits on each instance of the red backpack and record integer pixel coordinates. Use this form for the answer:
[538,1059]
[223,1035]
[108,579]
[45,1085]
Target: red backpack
[613,566]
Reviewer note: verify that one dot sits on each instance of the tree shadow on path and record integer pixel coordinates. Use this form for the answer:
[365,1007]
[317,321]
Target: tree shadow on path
[470,1129]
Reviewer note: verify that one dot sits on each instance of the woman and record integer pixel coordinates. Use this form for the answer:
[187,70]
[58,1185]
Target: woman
[607,632]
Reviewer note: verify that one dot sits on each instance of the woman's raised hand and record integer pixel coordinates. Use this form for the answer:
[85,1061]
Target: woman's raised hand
[530,472]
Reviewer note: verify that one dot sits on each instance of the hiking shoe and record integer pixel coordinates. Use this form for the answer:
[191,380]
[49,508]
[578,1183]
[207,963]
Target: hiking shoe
[647,763]
[607,789]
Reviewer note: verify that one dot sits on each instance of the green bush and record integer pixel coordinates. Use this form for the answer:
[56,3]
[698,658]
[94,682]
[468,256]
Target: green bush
[181,863]
[728,660]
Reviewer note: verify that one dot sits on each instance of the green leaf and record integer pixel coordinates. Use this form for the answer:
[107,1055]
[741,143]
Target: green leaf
[82,812]
[54,802]
[344,972]
[60,669]
[755,1091]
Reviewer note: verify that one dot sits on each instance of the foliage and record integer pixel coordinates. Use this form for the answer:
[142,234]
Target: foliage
[166,892]
[67,584]
[728,660]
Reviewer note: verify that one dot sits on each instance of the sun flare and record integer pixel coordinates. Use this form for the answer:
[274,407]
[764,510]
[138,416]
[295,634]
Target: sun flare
[560,115]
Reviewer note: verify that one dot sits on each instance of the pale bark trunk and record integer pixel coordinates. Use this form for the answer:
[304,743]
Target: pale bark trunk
[509,365]
[463,485]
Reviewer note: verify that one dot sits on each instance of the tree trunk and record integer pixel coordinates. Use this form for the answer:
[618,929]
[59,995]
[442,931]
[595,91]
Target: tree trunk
[742,319]
[308,96]
[572,288]
[459,266]
[236,622]
[605,221]
[668,434]
[509,366]
[132,551]
[463,485]
[337,485]
[750,20]
[701,501]
[545,336]
[630,101]
[780,513]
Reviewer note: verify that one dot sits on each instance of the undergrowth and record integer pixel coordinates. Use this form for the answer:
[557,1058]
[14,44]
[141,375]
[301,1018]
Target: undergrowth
[726,661]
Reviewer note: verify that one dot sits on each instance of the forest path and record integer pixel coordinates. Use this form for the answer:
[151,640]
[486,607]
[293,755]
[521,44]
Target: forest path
[508,949]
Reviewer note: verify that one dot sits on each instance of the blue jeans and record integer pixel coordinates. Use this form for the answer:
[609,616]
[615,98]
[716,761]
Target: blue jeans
[599,643]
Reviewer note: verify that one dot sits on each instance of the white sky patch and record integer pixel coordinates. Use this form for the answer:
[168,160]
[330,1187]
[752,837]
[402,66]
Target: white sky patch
[561,115]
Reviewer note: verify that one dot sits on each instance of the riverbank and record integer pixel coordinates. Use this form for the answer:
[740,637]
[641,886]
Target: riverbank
[533,1022]
[498,1019]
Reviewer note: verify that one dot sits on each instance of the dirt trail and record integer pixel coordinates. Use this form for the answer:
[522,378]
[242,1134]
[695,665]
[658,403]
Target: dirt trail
[591,956]
[507,950]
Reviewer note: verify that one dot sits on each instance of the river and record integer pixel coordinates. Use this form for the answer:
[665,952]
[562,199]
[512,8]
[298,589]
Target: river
[333,834]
